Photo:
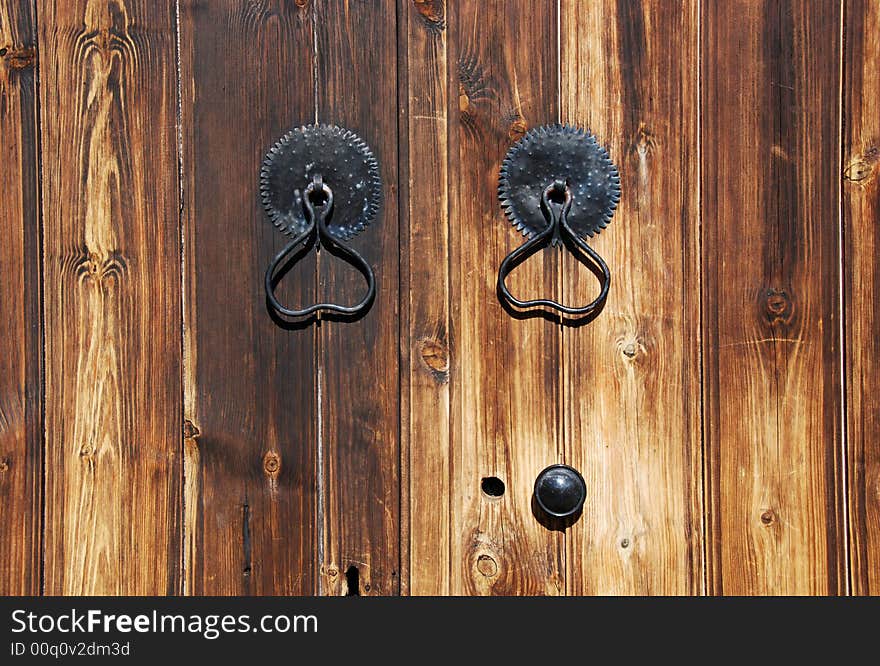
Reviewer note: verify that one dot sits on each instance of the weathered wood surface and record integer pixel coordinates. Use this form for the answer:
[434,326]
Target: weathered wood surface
[426,322]
[111,241]
[476,78]
[250,392]
[771,299]
[631,391]
[359,379]
[195,445]
[861,208]
[504,370]
[20,342]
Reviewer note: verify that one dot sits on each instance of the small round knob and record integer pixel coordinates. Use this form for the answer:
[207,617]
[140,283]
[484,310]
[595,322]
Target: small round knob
[560,491]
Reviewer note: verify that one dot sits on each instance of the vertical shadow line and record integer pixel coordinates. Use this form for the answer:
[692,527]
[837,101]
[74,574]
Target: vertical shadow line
[402,584]
[706,485]
[182,587]
[41,301]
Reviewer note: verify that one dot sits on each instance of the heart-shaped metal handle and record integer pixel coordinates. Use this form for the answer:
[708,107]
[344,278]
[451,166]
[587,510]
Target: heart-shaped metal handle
[317,233]
[556,203]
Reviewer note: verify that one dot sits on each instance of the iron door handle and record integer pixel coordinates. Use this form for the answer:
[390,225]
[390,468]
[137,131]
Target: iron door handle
[557,186]
[557,231]
[317,233]
[321,185]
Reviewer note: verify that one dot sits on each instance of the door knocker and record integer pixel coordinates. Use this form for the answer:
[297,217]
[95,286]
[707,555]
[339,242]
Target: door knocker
[320,184]
[557,186]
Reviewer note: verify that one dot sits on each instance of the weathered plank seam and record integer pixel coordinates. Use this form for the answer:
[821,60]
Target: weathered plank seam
[38,123]
[561,388]
[182,563]
[453,363]
[403,327]
[320,508]
[701,413]
[402,128]
[841,304]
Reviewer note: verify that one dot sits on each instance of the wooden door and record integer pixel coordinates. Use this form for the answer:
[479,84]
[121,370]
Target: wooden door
[161,433]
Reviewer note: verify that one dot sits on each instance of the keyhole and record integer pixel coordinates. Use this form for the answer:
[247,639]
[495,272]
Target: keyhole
[353,582]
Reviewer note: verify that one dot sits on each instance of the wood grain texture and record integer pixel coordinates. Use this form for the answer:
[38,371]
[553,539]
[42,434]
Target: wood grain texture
[193,443]
[504,370]
[112,297]
[20,342]
[631,391]
[360,383]
[861,208]
[770,150]
[425,294]
[247,76]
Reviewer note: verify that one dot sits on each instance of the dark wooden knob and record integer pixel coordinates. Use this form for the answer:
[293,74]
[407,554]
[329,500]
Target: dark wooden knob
[560,491]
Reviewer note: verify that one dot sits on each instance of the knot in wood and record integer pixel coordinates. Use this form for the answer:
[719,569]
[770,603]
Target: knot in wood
[19,59]
[99,267]
[487,566]
[861,167]
[768,517]
[857,171]
[271,463]
[432,14]
[643,143]
[778,305]
[435,358]
[190,431]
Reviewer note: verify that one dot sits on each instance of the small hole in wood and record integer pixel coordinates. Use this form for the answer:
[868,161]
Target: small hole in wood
[492,486]
[352,582]
[2,52]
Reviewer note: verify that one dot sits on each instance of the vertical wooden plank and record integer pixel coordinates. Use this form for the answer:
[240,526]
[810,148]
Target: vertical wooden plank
[360,383]
[20,342]
[770,146]
[112,297]
[504,369]
[251,412]
[631,392]
[861,209]
[425,342]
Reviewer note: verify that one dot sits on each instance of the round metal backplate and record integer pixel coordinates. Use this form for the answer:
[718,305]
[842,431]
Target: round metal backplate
[559,152]
[346,165]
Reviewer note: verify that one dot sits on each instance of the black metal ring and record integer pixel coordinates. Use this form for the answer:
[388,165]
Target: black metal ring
[557,227]
[318,223]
